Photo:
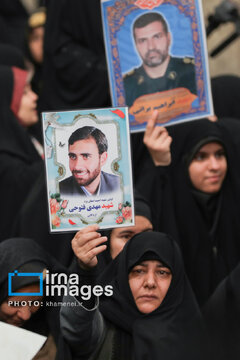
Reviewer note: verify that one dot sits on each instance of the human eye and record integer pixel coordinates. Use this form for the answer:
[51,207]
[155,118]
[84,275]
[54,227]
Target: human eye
[126,236]
[86,156]
[72,156]
[200,156]
[26,89]
[141,41]
[137,270]
[157,36]
[220,153]
[164,272]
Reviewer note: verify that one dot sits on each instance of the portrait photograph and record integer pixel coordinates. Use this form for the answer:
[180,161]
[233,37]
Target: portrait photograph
[157,59]
[89,175]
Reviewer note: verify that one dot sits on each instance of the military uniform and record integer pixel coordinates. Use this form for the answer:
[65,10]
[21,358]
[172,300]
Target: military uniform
[180,73]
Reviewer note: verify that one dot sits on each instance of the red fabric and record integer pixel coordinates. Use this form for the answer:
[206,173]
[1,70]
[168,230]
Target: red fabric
[19,81]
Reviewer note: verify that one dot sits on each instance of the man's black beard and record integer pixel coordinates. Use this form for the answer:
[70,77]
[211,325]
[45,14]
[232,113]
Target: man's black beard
[89,181]
[160,62]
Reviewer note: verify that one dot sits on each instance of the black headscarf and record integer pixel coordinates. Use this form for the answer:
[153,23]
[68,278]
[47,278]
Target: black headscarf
[36,20]
[11,56]
[163,332]
[74,69]
[14,16]
[141,208]
[17,252]
[20,162]
[232,127]
[20,253]
[14,138]
[210,251]
[33,222]
[226,96]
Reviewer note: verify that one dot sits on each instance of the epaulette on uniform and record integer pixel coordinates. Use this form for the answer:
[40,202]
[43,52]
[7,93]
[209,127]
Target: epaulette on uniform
[188,60]
[130,73]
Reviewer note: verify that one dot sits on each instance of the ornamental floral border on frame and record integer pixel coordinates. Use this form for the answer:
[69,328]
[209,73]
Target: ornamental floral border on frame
[75,159]
[185,21]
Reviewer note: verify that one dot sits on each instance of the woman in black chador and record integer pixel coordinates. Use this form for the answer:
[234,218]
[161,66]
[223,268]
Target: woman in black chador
[74,68]
[26,256]
[196,198]
[151,312]
[222,316]
[20,153]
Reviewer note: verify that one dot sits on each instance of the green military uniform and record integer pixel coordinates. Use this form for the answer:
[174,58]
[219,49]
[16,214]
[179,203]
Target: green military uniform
[180,73]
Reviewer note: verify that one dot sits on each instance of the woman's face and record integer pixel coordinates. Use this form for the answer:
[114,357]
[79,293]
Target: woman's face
[149,282]
[208,168]
[16,310]
[120,236]
[27,112]
[36,39]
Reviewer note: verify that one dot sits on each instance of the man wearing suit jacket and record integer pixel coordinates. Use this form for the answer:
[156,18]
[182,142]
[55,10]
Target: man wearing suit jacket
[87,148]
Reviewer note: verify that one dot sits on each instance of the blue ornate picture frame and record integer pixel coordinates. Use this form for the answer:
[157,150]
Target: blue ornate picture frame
[188,45]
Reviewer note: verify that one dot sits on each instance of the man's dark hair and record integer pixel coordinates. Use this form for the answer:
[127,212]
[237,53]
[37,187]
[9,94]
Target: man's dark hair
[87,132]
[147,19]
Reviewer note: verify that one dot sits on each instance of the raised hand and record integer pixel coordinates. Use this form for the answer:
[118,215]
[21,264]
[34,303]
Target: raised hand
[86,245]
[158,142]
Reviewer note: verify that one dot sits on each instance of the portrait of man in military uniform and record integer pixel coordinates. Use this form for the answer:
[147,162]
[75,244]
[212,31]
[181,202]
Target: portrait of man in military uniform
[160,71]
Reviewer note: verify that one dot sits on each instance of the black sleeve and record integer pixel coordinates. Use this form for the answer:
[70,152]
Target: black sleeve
[152,184]
[88,278]
[17,177]
[18,174]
